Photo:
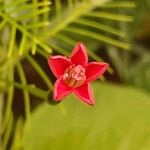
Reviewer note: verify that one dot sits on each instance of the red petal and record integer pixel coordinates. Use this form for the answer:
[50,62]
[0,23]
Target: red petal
[85,93]
[58,64]
[60,90]
[95,69]
[79,55]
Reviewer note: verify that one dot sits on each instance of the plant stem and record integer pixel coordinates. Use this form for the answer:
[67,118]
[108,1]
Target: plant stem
[25,92]
[9,99]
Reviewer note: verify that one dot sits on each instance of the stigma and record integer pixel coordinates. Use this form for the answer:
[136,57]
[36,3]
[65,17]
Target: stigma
[74,76]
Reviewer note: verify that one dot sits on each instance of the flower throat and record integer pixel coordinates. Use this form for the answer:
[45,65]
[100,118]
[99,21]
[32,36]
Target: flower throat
[74,76]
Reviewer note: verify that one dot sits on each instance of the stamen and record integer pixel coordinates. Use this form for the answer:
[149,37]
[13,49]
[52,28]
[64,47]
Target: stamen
[74,76]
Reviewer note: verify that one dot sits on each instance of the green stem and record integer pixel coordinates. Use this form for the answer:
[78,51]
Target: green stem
[25,92]
[2,24]
[8,132]
[31,88]
[9,99]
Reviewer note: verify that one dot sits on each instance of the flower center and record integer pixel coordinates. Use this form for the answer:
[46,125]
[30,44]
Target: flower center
[74,76]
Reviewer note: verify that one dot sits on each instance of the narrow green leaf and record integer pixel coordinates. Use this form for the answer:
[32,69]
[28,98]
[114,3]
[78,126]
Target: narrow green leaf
[2,24]
[9,100]
[34,47]
[111,16]
[25,31]
[58,8]
[72,14]
[31,88]
[25,92]
[123,4]
[12,41]
[42,53]
[72,42]
[17,139]
[35,17]
[7,133]
[32,14]
[28,7]
[40,71]
[46,15]
[101,27]
[98,37]
[38,25]
[12,4]
[35,22]
[64,38]
[59,49]
[22,45]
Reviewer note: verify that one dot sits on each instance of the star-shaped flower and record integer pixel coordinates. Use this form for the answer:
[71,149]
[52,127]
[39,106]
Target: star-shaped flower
[74,74]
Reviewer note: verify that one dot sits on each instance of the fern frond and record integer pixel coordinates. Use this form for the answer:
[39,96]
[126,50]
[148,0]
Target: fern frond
[101,26]
[17,11]
[80,9]
[98,37]
[75,15]
[23,30]
[28,7]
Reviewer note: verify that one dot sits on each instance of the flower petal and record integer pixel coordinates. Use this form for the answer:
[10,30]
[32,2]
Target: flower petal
[79,55]
[95,69]
[60,90]
[85,93]
[58,64]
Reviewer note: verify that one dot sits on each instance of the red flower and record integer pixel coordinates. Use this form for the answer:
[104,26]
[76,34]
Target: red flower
[74,74]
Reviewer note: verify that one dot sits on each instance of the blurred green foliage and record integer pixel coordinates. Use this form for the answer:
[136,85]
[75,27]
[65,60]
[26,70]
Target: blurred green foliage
[119,121]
